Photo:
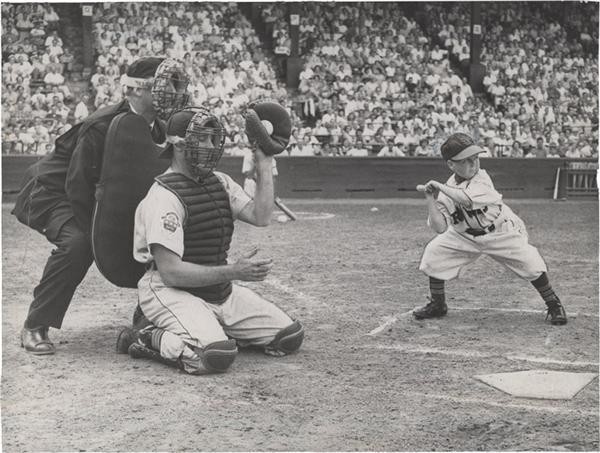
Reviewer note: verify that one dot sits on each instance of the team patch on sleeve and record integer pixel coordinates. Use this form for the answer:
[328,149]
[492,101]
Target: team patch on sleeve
[170,222]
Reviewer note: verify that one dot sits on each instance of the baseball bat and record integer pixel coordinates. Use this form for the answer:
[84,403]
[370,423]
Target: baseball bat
[288,212]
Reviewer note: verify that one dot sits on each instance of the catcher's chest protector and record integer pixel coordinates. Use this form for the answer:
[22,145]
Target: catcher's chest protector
[129,166]
[208,227]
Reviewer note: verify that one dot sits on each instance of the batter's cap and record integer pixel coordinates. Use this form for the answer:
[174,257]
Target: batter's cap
[461,154]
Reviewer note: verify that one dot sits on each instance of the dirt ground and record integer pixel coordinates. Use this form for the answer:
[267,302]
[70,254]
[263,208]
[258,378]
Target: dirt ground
[368,377]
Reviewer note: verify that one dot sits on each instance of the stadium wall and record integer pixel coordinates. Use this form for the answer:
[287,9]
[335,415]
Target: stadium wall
[360,177]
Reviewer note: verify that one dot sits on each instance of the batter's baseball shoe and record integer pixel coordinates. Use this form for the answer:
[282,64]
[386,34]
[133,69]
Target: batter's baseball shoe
[556,313]
[431,310]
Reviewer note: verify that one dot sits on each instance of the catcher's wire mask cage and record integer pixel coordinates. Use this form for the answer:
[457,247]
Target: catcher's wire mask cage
[203,142]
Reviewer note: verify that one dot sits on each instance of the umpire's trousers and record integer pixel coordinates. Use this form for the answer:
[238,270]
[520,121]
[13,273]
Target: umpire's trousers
[65,269]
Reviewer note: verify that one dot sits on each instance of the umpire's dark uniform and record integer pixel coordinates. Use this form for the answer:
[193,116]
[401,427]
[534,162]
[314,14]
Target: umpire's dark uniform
[58,200]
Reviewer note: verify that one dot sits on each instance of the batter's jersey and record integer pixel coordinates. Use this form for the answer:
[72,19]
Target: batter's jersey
[487,206]
[160,216]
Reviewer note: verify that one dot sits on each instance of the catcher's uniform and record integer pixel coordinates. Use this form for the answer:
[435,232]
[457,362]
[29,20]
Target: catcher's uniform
[249,172]
[198,316]
[488,227]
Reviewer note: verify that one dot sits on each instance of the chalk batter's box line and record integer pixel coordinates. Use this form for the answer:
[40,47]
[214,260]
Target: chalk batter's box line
[527,407]
[393,319]
[470,354]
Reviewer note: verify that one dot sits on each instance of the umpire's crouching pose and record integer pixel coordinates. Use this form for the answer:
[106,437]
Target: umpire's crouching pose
[58,196]
[183,228]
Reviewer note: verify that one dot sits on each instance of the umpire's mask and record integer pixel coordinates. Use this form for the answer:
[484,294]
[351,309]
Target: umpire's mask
[200,134]
[169,88]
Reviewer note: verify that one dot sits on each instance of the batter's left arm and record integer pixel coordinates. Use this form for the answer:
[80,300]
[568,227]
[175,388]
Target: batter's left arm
[457,195]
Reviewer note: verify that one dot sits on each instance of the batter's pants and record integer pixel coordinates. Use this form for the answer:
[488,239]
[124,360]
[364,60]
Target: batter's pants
[65,269]
[450,252]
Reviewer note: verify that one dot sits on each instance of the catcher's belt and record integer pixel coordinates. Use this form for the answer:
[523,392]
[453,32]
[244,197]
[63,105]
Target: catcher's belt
[129,166]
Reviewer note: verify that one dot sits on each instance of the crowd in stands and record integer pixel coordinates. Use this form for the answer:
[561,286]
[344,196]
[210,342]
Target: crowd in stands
[217,45]
[36,100]
[379,79]
[375,75]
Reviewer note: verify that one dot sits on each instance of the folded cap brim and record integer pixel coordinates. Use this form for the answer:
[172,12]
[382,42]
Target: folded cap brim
[468,152]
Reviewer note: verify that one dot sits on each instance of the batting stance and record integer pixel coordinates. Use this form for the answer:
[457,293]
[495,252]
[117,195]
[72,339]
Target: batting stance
[471,219]
[58,196]
[183,229]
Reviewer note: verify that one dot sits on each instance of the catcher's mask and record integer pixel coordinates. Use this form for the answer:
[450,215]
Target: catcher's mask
[169,88]
[200,135]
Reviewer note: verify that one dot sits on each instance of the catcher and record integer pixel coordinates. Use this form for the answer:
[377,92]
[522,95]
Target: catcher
[471,219]
[194,314]
[58,197]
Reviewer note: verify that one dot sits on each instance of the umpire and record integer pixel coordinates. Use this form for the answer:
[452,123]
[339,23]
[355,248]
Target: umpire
[57,198]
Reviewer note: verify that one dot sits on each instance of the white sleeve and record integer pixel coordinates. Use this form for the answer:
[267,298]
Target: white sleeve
[163,216]
[238,198]
[482,192]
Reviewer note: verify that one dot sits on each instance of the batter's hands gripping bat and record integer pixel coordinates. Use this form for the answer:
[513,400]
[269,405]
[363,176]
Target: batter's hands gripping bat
[288,212]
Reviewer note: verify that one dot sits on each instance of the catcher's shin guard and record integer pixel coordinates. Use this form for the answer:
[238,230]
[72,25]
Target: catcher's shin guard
[139,351]
[217,357]
[287,340]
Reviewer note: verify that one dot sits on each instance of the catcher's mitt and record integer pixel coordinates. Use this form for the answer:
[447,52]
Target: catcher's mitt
[262,113]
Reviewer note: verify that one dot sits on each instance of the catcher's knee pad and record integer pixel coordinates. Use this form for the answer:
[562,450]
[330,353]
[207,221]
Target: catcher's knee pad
[217,357]
[288,340]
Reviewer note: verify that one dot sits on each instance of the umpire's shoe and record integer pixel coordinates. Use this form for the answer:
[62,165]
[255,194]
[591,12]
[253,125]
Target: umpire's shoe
[36,341]
[433,309]
[556,313]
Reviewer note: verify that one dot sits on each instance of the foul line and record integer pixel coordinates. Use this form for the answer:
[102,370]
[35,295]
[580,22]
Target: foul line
[476,354]
[277,284]
[528,407]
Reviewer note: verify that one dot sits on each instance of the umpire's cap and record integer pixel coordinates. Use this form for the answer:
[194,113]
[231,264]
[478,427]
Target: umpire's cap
[144,67]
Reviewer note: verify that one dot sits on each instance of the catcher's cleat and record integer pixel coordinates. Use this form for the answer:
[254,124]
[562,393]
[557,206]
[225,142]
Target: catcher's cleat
[127,336]
[556,312]
[139,351]
[431,310]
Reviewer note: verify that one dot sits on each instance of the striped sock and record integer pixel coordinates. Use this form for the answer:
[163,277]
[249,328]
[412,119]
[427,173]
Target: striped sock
[156,338]
[436,286]
[542,284]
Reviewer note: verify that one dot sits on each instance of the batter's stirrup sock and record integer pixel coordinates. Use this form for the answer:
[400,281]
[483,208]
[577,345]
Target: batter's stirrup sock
[436,286]
[542,284]
[556,311]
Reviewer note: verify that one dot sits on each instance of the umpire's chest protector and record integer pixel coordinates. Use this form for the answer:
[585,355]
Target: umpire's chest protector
[130,164]
[208,226]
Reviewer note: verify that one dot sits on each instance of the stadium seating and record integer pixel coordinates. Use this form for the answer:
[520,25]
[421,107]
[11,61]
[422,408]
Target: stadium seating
[379,79]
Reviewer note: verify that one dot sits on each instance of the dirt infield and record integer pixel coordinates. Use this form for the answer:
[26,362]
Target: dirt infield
[368,377]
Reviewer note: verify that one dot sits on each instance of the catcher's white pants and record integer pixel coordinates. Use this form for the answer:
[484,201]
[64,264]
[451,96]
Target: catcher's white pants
[448,253]
[189,322]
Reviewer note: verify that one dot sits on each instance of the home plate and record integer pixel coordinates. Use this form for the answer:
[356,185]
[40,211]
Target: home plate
[544,384]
